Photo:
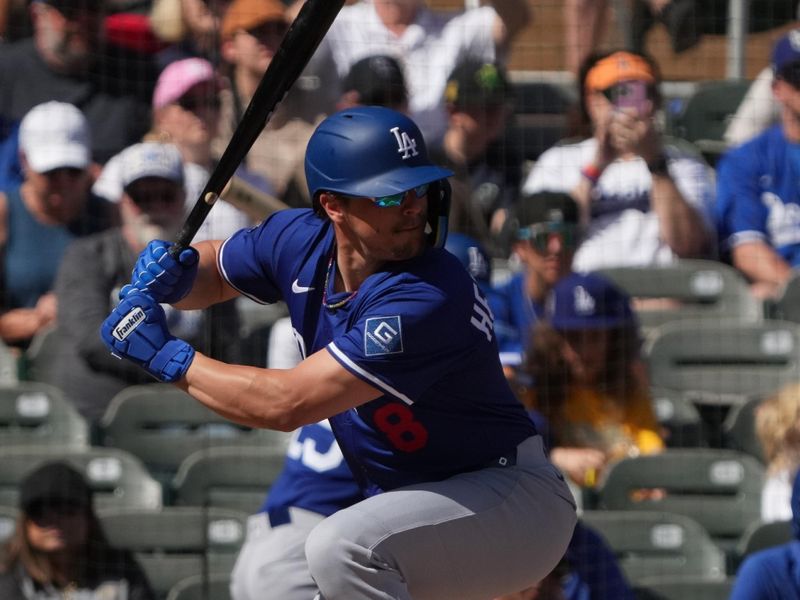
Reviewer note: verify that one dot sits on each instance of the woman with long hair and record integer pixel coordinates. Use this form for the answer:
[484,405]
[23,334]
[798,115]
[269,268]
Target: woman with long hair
[58,549]
[590,383]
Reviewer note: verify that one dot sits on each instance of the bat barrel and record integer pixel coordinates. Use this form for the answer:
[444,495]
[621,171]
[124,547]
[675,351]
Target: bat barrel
[296,49]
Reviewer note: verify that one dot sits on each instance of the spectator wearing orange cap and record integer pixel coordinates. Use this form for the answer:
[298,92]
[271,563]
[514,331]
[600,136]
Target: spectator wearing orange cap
[251,33]
[643,201]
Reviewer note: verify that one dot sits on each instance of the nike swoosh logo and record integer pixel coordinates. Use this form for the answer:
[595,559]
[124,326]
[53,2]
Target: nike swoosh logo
[299,289]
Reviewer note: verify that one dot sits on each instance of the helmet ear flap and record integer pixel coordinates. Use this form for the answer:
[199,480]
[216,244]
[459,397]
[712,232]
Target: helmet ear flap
[439,195]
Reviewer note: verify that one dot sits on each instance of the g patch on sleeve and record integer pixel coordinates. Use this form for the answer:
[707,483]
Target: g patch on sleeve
[383,335]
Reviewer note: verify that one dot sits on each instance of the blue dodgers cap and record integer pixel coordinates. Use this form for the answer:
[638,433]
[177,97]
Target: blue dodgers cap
[786,51]
[588,301]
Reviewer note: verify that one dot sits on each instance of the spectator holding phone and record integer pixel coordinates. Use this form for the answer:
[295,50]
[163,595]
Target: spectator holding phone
[642,201]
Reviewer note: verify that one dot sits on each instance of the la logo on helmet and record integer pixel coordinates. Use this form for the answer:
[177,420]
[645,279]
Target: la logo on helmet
[405,143]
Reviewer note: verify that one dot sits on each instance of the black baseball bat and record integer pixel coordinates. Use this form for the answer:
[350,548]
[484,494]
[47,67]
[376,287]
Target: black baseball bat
[296,49]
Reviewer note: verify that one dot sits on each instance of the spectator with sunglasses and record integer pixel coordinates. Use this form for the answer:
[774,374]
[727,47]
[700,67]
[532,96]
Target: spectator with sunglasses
[545,231]
[186,115]
[758,197]
[251,33]
[151,205]
[58,548]
[40,217]
[643,200]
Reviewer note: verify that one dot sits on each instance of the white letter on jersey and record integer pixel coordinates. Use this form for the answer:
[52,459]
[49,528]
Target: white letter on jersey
[306,452]
[483,318]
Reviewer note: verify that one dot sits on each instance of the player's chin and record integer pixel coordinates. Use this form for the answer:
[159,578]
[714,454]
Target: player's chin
[408,244]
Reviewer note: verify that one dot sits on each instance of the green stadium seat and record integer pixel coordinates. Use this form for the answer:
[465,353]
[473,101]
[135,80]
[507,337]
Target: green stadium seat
[760,536]
[687,289]
[214,587]
[118,478]
[38,414]
[704,116]
[739,429]
[232,477]
[720,489]
[724,362]
[174,543]
[8,522]
[680,417]
[163,425]
[654,543]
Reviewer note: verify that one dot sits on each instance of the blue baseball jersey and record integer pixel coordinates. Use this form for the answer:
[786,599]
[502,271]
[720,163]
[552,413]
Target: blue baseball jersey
[418,330]
[758,195]
[516,314]
[315,475]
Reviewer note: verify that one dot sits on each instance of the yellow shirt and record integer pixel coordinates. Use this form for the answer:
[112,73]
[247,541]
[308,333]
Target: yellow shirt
[594,420]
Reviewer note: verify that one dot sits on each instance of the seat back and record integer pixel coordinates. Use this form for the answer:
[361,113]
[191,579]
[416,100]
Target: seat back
[739,429]
[720,489]
[787,305]
[216,586]
[8,522]
[38,414]
[760,536]
[680,417]
[724,361]
[162,425]
[688,289]
[174,543]
[117,477]
[684,588]
[655,543]
[235,477]
[704,116]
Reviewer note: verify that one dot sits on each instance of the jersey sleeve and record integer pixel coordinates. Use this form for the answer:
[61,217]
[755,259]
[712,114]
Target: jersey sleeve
[741,216]
[249,260]
[405,340]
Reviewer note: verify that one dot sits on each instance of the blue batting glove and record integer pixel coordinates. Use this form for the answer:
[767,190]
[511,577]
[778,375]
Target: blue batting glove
[137,330]
[160,276]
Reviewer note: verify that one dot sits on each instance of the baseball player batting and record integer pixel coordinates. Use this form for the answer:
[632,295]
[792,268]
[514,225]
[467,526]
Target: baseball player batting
[400,355]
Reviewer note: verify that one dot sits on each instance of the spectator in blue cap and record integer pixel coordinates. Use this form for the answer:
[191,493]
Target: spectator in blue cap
[773,574]
[590,380]
[758,198]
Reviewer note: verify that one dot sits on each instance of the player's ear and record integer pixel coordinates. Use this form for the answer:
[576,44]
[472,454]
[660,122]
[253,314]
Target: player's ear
[332,205]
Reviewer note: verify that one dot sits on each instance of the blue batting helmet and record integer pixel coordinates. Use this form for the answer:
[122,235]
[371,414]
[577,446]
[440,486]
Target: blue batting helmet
[472,255]
[372,151]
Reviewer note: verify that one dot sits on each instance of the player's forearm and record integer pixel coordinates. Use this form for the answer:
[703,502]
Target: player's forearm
[681,227]
[761,264]
[250,396]
[209,287]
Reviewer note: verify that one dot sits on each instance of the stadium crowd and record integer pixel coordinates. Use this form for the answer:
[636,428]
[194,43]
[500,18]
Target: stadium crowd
[114,114]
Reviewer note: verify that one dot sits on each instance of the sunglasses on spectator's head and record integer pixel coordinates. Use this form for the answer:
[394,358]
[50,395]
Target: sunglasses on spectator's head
[145,197]
[397,199]
[539,235]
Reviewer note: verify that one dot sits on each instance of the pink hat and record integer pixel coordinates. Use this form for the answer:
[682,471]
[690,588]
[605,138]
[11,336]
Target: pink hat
[179,77]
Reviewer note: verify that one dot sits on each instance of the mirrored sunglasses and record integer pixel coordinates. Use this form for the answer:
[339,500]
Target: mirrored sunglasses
[539,235]
[397,199]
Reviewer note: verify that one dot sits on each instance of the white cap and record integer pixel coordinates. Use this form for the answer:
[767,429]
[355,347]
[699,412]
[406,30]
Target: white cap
[55,135]
[150,159]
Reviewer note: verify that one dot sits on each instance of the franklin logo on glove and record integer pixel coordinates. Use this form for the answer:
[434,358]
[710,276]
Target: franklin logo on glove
[128,323]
